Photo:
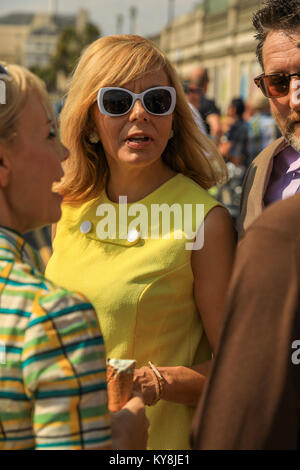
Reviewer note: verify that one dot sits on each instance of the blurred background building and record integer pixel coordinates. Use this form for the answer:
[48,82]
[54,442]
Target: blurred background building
[218,35]
[49,44]
[30,39]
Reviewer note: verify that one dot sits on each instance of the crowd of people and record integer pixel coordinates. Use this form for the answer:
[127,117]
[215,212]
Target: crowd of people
[240,135]
[246,129]
[209,325]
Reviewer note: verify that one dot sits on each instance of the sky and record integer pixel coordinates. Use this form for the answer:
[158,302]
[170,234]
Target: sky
[152,15]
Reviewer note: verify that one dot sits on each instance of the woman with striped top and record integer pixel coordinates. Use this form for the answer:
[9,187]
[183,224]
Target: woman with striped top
[52,369]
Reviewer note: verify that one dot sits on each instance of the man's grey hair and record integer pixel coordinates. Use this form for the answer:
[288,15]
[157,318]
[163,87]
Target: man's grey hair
[275,15]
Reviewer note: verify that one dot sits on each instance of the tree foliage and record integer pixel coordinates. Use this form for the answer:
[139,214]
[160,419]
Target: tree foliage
[47,74]
[70,45]
[68,49]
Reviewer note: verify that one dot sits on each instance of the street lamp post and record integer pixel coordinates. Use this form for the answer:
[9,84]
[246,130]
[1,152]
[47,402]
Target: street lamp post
[171,10]
[120,21]
[132,18]
[53,7]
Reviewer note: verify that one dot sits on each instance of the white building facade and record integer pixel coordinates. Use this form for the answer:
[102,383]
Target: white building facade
[219,36]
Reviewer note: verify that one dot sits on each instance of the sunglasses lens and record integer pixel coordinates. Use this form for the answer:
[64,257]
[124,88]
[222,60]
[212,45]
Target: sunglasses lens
[158,101]
[3,70]
[276,85]
[117,101]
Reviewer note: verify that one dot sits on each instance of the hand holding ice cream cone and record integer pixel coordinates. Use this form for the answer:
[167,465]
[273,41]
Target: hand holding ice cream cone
[119,382]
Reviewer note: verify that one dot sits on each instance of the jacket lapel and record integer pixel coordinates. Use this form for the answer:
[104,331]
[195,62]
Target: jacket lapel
[255,184]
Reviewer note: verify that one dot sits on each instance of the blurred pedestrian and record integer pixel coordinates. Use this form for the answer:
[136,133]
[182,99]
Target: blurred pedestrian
[234,148]
[193,94]
[207,108]
[234,144]
[262,126]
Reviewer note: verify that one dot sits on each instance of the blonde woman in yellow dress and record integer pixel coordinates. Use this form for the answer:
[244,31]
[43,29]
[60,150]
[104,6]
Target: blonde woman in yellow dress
[134,147]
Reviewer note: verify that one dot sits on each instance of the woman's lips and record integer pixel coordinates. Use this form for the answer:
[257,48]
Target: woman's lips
[138,143]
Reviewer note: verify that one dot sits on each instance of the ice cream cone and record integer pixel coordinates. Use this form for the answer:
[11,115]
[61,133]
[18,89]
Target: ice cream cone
[119,382]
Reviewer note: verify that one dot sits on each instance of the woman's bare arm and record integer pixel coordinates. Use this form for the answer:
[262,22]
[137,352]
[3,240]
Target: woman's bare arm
[212,266]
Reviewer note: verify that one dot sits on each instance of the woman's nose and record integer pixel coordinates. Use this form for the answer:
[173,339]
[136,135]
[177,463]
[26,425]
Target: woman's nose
[138,111]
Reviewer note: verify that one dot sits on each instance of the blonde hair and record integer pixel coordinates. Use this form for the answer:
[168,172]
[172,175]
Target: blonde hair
[114,61]
[18,85]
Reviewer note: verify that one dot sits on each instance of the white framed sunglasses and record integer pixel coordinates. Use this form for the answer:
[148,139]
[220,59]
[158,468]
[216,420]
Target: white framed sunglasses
[113,101]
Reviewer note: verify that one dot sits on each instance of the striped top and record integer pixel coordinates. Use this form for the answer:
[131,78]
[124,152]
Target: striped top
[52,362]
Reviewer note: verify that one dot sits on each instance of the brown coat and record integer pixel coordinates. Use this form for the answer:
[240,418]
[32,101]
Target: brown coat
[252,398]
[255,184]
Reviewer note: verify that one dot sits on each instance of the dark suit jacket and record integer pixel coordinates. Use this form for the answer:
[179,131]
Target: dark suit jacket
[255,184]
[252,397]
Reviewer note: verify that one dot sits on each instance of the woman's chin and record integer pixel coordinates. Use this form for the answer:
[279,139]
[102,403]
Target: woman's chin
[139,160]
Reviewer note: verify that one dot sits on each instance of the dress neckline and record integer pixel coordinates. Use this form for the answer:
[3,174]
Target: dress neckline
[154,193]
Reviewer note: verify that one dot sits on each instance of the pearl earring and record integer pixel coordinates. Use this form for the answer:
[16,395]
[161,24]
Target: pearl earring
[94,138]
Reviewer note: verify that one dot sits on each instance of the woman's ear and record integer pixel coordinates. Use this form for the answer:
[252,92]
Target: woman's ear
[5,167]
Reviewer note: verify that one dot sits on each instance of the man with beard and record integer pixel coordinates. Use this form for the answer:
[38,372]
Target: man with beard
[275,173]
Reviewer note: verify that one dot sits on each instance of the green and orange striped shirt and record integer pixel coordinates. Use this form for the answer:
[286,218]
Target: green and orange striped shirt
[52,360]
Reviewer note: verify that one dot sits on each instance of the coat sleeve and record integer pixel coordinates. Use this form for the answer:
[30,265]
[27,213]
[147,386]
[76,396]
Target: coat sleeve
[250,400]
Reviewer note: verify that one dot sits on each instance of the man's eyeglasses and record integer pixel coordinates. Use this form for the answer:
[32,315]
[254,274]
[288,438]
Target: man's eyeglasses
[113,101]
[274,85]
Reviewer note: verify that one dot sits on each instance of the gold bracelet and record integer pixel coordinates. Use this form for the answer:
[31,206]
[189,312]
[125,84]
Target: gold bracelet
[159,379]
[157,390]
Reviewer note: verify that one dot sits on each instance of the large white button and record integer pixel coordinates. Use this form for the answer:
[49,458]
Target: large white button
[133,236]
[86,226]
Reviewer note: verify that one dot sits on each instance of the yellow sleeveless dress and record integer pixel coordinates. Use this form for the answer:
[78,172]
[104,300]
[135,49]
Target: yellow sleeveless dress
[141,287]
